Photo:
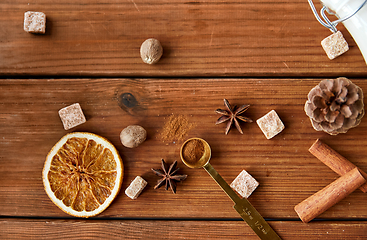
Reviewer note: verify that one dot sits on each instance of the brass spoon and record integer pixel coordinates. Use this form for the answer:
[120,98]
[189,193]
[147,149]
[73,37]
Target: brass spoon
[242,205]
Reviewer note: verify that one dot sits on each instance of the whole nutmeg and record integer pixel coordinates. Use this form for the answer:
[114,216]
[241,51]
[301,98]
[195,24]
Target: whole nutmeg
[151,51]
[132,136]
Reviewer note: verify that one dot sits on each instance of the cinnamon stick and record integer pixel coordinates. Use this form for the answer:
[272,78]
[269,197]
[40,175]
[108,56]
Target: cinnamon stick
[334,160]
[329,196]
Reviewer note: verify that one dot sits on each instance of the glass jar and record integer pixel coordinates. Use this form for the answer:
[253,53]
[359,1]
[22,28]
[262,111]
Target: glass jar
[356,24]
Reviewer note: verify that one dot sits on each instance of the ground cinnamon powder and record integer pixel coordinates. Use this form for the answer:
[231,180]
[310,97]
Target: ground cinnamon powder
[193,151]
[175,128]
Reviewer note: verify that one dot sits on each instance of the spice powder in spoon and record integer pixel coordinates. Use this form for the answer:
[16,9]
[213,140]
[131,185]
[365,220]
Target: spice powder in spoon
[193,151]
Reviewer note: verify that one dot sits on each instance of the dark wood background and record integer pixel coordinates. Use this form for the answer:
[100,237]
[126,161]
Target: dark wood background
[266,54]
[200,38]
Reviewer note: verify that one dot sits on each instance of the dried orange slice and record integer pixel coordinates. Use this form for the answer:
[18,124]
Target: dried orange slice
[82,174]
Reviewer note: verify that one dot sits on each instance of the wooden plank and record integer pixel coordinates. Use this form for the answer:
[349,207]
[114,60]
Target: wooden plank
[287,172]
[147,229]
[200,38]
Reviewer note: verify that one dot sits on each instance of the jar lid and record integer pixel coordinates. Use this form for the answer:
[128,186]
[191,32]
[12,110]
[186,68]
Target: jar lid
[333,7]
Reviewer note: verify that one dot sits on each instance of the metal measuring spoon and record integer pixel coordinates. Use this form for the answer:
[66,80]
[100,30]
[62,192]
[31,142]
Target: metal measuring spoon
[242,205]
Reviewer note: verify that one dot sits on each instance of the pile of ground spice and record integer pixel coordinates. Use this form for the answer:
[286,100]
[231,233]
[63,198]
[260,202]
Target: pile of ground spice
[175,128]
[193,151]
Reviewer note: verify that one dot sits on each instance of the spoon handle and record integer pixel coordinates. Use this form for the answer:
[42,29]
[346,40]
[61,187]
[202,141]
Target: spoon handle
[247,212]
[253,218]
[222,183]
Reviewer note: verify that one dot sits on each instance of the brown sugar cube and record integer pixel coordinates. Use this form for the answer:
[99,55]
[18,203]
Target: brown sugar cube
[244,184]
[270,124]
[35,22]
[72,116]
[334,45]
[136,187]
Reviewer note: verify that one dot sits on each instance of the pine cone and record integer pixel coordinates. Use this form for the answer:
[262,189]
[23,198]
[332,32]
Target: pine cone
[335,106]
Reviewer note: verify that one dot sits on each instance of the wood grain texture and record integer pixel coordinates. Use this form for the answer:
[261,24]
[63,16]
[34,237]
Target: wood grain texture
[119,229]
[200,38]
[287,172]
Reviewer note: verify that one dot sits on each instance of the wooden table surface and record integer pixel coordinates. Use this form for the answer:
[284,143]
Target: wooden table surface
[263,53]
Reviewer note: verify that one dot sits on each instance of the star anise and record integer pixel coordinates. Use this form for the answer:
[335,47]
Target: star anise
[169,176]
[232,115]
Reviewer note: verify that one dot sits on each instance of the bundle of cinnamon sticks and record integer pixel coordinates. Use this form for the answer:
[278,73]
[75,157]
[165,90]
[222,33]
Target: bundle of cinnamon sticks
[351,178]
